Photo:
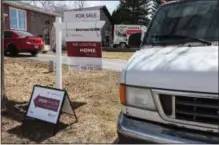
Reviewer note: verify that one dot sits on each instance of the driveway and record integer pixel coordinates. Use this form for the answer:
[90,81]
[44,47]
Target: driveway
[109,64]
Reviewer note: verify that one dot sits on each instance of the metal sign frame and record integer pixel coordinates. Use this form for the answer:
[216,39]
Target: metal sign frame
[66,96]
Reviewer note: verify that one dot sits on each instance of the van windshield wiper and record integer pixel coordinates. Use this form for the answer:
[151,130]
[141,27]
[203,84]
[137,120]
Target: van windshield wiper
[182,36]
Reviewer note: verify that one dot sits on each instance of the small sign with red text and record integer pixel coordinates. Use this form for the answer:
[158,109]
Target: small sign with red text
[84,55]
[84,49]
[45,104]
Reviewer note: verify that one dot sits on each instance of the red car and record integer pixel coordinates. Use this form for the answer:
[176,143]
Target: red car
[16,41]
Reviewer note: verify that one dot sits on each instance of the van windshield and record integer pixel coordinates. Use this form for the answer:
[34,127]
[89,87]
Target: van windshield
[179,22]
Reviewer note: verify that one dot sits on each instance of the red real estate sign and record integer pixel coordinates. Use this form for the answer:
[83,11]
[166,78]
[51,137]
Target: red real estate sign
[46,103]
[84,49]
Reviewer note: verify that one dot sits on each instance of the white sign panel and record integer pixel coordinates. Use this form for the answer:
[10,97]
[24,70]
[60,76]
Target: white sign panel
[83,15]
[67,108]
[83,35]
[45,104]
[84,48]
[84,63]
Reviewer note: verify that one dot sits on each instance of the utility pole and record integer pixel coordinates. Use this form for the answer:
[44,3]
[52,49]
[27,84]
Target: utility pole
[3,94]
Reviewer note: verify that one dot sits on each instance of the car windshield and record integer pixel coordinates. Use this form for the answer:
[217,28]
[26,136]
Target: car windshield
[23,33]
[186,21]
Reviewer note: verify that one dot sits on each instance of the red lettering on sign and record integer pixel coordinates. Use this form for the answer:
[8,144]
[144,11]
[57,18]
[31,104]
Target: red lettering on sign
[131,31]
[46,103]
[87,50]
[75,44]
[84,49]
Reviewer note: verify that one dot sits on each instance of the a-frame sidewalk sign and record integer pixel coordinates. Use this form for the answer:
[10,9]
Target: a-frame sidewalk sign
[46,104]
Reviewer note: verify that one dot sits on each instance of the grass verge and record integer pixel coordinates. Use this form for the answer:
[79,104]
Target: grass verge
[109,55]
[117,55]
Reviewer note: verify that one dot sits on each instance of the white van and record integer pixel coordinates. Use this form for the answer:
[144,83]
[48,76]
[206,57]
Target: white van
[169,88]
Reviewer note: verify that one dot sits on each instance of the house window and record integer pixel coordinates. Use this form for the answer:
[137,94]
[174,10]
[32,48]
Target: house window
[17,19]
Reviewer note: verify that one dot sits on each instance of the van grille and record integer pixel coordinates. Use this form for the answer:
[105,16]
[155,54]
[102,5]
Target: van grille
[197,109]
[202,110]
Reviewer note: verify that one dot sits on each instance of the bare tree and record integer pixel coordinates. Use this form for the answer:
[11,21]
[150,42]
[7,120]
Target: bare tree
[58,6]
[79,4]
[4,98]
[55,6]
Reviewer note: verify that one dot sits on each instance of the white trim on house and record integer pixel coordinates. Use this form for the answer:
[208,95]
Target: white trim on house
[17,17]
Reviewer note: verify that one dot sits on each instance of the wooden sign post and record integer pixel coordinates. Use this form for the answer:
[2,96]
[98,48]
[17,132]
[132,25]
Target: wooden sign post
[46,104]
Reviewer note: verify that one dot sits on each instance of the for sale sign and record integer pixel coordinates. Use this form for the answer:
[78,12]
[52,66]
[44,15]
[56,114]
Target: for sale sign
[45,104]
[84,47]
[88,15]
[84,55]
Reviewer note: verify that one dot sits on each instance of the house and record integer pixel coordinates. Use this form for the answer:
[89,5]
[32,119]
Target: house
[26,17]
[107,31]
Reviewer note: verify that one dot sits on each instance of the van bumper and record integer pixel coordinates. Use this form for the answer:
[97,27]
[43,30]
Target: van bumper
[135,131]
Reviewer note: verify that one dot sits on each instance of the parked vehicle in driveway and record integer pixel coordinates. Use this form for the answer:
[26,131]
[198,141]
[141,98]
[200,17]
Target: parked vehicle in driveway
[123,32]
[16,41]
[169,88]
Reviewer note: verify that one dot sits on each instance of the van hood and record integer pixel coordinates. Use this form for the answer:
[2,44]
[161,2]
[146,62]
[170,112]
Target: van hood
[174,68]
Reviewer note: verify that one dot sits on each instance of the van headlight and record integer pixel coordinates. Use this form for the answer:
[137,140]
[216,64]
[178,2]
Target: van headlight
[137,97]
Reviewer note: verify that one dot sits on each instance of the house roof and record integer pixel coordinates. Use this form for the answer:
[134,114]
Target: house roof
[23,5]
[103,7]
[88,8]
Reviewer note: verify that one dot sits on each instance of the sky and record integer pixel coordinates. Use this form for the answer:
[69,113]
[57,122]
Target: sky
[111,5]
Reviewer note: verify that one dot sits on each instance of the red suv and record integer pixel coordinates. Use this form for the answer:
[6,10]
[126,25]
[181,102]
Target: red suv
[16,41]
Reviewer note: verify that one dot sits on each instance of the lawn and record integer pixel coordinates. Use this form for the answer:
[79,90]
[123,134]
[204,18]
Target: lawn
[110,55]
[94,95]
[117,55]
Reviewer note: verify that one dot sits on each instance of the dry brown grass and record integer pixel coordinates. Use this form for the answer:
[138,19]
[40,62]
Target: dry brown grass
[110,55]
[117,55]
[97,92]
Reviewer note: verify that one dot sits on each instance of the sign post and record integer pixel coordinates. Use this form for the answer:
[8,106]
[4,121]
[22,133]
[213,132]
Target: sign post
[58,53]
